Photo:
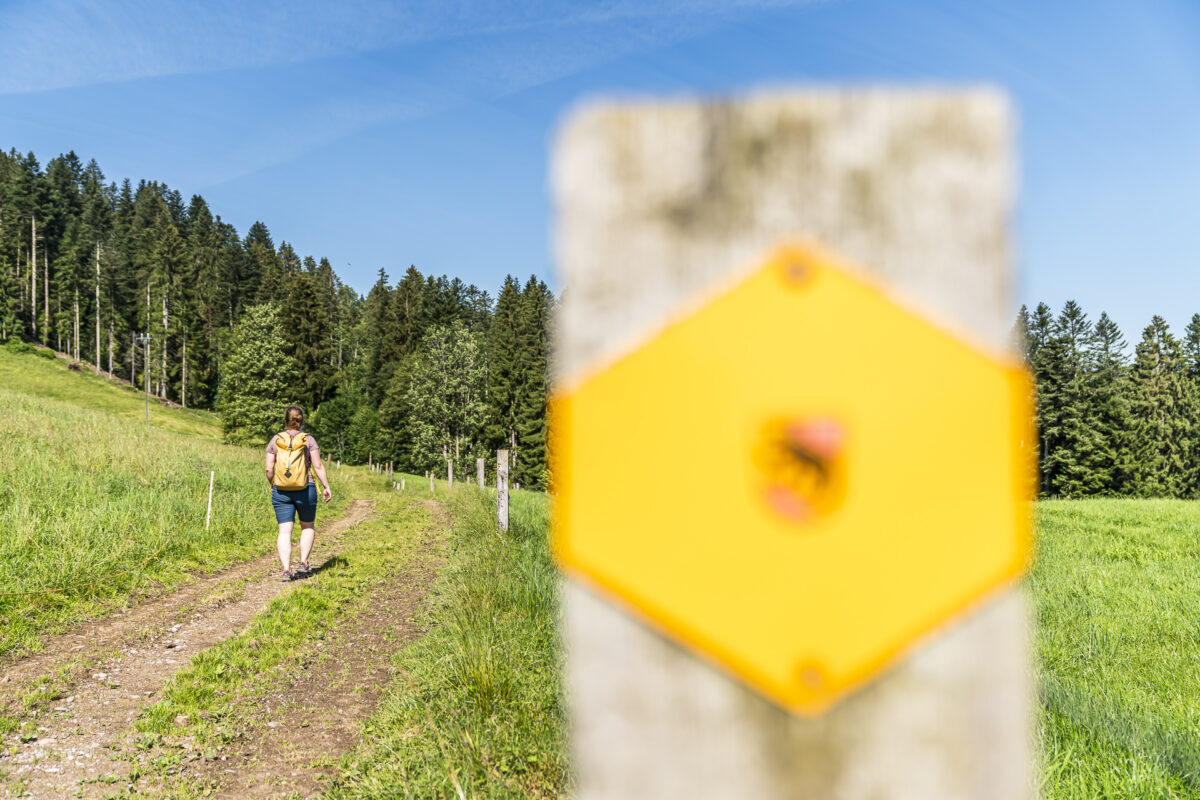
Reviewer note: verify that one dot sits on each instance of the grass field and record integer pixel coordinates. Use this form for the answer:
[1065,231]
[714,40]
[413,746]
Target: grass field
[1117,591]
[95,507]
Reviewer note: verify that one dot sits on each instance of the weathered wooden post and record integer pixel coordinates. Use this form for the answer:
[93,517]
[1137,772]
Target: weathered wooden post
[402,484]
[479,468]
[658,202]
[431,482]
[502,489]
[208,516]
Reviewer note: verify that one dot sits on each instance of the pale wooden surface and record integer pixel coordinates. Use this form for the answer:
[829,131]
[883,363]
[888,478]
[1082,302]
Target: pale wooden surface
[657,202]
[502,489]
[479,472]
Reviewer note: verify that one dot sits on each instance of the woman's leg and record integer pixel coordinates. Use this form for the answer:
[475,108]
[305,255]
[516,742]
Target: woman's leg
[308,534]
[285,544]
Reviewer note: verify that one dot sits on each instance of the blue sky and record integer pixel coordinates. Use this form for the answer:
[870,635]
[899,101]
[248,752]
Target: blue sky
[385,134]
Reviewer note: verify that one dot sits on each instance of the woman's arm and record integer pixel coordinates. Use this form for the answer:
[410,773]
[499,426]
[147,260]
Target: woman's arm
[271,468]
[319,468]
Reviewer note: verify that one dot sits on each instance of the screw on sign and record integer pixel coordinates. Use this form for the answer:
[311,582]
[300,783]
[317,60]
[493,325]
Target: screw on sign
[852,450]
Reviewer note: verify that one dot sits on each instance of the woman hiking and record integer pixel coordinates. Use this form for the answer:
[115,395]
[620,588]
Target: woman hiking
[293,458]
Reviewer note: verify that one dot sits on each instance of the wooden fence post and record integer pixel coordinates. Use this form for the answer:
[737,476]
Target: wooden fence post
[402,484]
[431,482]
[208,516]
[450,471]
[502,489]
[658,202]
[479,467]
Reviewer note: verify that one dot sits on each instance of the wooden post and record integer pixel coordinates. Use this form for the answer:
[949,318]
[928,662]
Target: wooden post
[431,482]
[479,472]
[402,484]
[659,202]
[450,472]
[502,489]
[208,516]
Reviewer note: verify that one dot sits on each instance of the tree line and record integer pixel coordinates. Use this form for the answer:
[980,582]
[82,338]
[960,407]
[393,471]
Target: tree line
[1112,423]
[416,373]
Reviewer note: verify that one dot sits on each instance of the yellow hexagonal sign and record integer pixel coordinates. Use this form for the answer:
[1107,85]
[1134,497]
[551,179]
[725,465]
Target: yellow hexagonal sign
[799,480]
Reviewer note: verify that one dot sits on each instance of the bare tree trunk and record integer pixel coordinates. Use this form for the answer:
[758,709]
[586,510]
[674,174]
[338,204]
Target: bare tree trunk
[110,350]
[98,308]
[183,384]
[76,332]
[163,371]
[46,299]
[33,274]
[133,359]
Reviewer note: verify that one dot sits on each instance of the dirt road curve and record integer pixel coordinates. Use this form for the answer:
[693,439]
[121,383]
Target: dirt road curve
[112,669]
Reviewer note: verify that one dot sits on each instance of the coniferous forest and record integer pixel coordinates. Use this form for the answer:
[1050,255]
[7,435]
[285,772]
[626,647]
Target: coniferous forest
[1111,422]
[416,372]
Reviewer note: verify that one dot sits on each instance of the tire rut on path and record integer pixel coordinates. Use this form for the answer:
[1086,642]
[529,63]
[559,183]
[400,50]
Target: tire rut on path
[116,666]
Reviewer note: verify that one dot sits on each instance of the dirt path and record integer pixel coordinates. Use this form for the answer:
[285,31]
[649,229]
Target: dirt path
[110,669]
[312,716]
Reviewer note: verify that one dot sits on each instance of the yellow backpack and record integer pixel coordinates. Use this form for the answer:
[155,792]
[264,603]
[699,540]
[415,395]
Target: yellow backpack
[291,462]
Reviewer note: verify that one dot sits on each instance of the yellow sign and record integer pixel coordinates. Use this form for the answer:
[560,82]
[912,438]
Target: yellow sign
[799,480]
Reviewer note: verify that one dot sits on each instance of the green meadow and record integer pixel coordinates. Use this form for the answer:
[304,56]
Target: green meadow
[97,510]
[96,507]
[1116,587]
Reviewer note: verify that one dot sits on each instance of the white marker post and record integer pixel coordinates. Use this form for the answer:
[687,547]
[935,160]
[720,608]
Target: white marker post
[208,516]
[502,489]
[658,203]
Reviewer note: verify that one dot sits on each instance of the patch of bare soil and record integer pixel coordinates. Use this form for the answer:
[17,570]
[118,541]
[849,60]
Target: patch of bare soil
[107,671]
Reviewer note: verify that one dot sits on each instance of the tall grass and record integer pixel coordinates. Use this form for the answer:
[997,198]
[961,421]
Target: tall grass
[478,709]
[1117,591]
[88,494]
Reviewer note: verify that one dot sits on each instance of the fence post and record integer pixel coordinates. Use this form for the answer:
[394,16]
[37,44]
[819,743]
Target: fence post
[502,489]
[431,482]
[208,516]
[479,472]
[402,484]
[657,202]
[450,471]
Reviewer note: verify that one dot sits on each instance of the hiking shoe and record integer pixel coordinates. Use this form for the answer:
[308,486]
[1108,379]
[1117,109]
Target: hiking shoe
[287,575]
[304,569]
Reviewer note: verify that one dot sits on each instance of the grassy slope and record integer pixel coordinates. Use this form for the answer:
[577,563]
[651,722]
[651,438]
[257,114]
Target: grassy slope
[1117,591]
[88,494]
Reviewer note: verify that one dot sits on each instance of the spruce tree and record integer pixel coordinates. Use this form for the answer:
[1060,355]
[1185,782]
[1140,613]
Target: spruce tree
[1110,458]
[256,379]
[306,337]
[1163,413]
[504,369]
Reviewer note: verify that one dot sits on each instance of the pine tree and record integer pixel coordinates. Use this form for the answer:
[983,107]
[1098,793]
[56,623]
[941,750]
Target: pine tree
[532,469]
[306,327]
[504,370]
[255,382]
[1110,459]
[1068,463]
[1163,411]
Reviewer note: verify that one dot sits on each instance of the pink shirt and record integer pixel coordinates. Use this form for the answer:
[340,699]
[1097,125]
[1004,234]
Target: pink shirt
[313,450]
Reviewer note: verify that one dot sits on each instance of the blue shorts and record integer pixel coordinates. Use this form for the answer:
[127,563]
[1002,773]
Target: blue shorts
[288,503]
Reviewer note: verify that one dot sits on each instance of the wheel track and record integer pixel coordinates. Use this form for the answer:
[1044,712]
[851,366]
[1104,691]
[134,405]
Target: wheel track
[114,667]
